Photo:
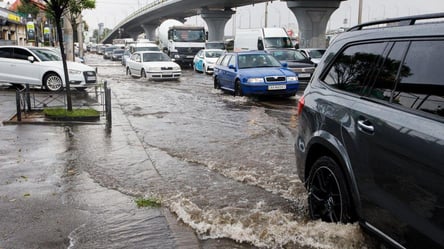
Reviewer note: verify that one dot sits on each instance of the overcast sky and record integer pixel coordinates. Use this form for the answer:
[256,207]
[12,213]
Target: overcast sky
[111,12]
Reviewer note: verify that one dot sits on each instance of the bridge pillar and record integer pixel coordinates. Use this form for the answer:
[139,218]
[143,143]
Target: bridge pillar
[150,31]
[216,20]
[134,36]
[312,18]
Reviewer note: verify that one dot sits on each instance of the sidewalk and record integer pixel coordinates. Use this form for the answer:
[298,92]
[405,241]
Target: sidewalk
[55,190]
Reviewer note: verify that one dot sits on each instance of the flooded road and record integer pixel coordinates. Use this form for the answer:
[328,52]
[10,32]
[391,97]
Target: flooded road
[224,165]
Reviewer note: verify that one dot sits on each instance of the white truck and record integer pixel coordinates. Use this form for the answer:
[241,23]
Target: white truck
[182,42]
[262,39]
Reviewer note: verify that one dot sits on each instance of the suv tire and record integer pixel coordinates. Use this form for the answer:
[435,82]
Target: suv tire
[328,198]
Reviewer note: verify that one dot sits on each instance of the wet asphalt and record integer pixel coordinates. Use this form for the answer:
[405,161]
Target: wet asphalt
[47,202]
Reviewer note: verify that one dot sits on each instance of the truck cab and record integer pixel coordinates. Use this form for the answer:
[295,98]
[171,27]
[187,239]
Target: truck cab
[183,42]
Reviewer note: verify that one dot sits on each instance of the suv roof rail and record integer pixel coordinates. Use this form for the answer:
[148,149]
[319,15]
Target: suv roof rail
[398,21]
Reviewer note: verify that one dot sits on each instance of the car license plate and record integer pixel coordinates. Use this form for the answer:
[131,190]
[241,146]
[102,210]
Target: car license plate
[304,75]
[89,78]
[190,56]
[277,87]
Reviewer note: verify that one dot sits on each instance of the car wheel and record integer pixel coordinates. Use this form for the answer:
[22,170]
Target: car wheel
[216,83]
[328,198]
[238,88]
[143,74]
[52,82]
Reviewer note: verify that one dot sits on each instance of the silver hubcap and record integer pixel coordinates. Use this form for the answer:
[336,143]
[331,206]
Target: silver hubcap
[54,83]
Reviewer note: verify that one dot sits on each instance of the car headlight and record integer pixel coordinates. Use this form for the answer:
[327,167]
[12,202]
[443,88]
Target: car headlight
[176,56]
[292,78]
[176,68]
[72,71]
[255,80]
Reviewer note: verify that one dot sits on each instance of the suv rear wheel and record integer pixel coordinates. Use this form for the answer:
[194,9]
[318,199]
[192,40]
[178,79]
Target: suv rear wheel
[328,198]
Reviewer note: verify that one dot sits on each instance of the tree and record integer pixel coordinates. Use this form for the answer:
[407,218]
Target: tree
[28,7]
[56,9]
[75,8]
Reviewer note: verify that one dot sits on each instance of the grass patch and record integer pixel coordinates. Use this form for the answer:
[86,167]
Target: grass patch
[148,202]
[61,112]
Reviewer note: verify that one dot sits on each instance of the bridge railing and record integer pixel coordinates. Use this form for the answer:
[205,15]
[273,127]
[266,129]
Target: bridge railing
[136,13]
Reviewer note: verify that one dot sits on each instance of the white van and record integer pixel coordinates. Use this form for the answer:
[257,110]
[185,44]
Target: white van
[261,39]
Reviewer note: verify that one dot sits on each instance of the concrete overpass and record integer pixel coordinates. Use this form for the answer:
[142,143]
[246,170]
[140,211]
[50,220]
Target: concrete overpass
[312,17]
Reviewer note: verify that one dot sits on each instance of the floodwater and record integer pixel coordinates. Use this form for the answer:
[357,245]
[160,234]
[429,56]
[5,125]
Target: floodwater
[224,166]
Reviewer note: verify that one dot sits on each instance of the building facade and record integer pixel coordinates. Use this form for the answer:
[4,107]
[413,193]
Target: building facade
[12,28]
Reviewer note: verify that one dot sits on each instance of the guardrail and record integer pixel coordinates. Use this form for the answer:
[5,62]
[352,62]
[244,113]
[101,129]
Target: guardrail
[136,14]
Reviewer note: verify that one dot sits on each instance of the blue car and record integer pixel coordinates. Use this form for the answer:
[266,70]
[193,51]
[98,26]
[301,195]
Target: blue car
[254,73]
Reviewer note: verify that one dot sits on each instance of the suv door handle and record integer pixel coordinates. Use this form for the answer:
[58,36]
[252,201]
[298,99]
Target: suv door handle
[365,126]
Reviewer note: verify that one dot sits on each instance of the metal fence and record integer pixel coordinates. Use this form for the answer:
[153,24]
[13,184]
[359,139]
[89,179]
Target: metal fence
[99,98]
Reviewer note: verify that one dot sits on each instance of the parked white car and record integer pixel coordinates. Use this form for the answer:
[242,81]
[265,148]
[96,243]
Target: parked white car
[42,67]
[154,65]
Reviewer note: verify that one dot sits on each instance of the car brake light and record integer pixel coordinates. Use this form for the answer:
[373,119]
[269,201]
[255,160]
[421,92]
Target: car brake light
[301,104]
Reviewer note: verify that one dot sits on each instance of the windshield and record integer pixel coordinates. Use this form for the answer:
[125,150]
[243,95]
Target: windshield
[189,36]
[213,54]
[289,55]
[316,53]
[47,54]
[215,45]
[278,42]
[147,57]
[118,51]
[257,60]
[154,48]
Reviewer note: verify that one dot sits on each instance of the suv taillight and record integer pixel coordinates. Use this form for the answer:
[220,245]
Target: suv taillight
[301,104]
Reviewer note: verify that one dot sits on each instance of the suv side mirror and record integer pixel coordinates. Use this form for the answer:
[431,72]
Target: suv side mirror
[284,64]
[231,66]
[31,59]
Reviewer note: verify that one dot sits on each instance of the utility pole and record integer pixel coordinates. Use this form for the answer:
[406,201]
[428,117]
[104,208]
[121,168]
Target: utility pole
[360,12]
[266,14]
[68,39]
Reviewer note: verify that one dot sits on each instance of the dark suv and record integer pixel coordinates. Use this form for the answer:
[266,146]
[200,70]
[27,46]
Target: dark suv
[370,146]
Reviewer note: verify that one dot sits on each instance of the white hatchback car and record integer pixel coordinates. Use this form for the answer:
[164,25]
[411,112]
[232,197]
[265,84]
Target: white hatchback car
[205,59]
[42,67]
[154,65]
